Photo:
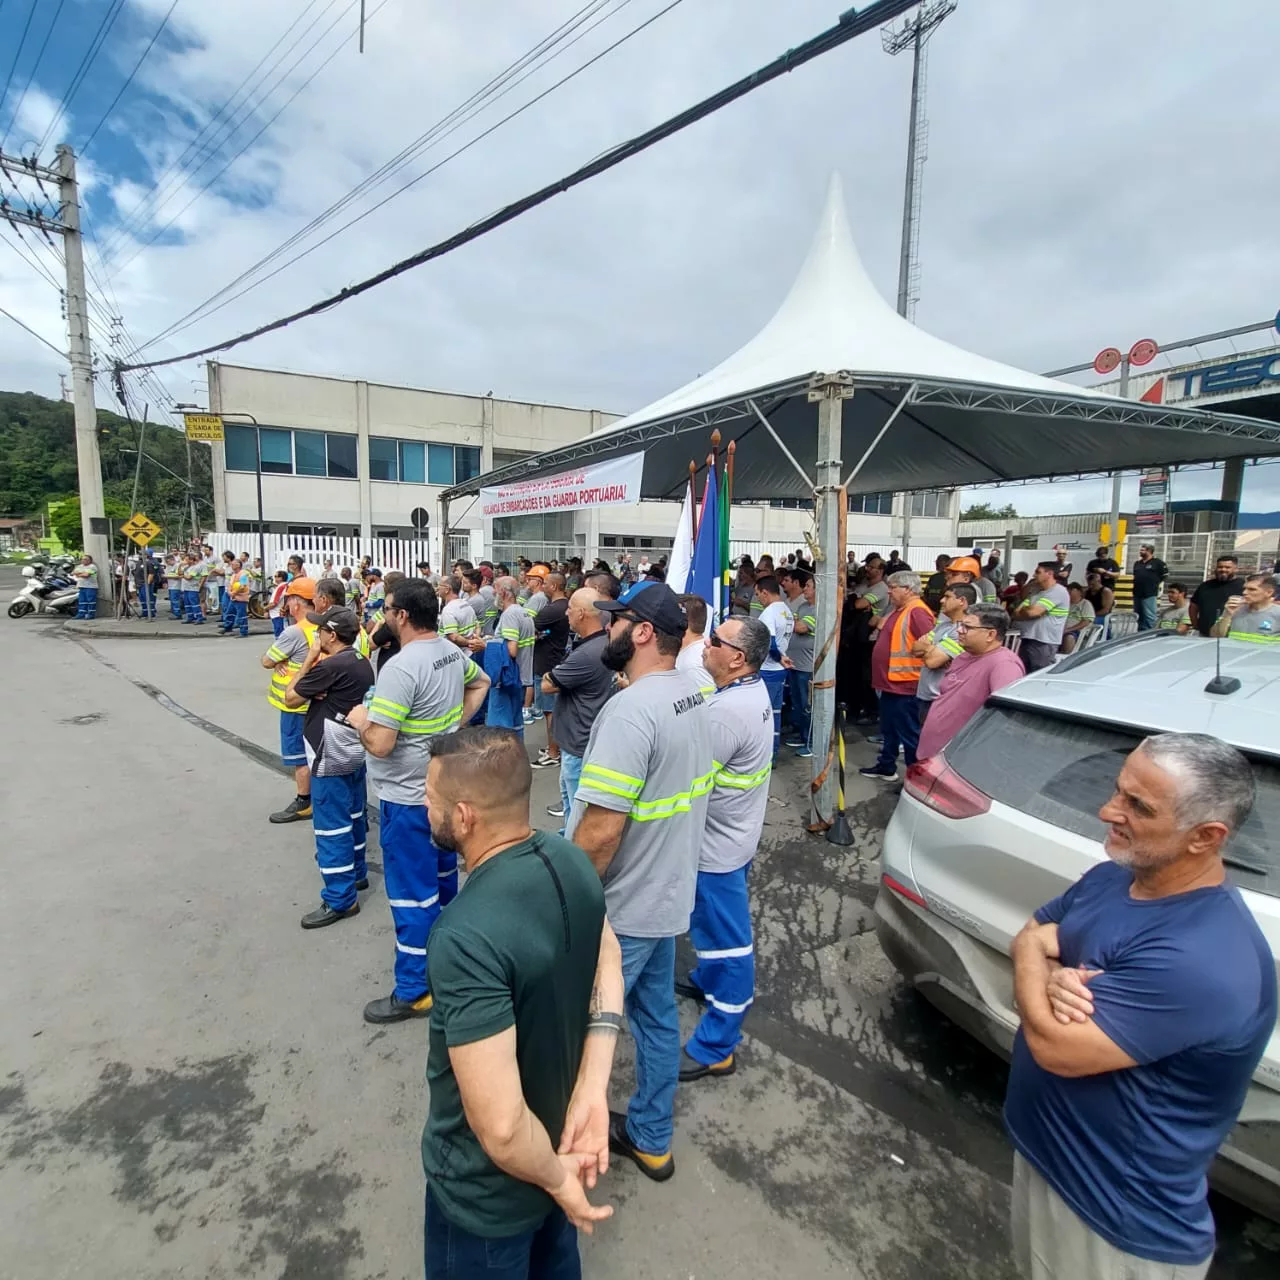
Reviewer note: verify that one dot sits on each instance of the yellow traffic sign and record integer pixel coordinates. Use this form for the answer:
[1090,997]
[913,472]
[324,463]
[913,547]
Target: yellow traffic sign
[203,426]
[141,528]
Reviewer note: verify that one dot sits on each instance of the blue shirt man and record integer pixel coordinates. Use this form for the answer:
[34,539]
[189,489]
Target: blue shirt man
[1148,994]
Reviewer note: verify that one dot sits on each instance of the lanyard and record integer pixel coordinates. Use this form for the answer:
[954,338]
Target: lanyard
[741,680]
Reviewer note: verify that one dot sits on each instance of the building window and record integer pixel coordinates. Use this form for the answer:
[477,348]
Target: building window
[387,533]
[342,457]
[505,457]
[289,453]
[930,504]
[413,462]
[466,463]
[383,459]
[791,504]
[277,452]
[871,504]
[440,464]
[309,453]
[240,448]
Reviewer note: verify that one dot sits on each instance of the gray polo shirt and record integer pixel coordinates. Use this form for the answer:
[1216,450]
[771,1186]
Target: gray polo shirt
[741,719]
[515,624]
[1048,628]
[650,757]
[485,608]
[800,650]
[1260,626]
[945,636]
[418,695]
[536,603]
[878,594]
[585,684]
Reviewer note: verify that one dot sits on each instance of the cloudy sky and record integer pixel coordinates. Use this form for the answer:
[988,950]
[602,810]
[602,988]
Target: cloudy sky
[1097,173]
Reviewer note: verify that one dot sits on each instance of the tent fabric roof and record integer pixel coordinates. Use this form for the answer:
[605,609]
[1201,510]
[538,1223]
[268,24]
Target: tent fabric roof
[964,419]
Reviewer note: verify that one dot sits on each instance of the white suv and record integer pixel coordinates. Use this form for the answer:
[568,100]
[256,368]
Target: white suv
[1005,819]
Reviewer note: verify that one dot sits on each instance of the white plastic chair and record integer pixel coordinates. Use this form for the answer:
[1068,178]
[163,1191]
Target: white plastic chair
[1121,623]
[1013,641]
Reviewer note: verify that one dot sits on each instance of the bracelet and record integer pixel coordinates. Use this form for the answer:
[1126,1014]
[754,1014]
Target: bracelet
[605,1022]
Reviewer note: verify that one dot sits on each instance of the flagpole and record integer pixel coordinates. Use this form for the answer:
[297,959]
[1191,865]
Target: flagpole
[693,502]
[728,518]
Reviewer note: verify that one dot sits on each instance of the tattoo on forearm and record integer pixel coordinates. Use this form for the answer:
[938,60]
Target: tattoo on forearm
[597,1002]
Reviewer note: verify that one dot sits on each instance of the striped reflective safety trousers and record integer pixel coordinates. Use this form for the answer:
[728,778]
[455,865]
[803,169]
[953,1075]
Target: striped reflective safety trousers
[411,867]
[338,819]
[720,930]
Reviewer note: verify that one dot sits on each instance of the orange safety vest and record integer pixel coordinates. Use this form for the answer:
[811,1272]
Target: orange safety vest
[904,666]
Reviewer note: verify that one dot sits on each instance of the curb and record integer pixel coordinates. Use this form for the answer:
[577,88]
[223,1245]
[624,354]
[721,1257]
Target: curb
[113,629]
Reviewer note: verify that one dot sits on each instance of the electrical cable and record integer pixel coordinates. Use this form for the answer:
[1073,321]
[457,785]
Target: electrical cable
[84,150]
[851,24]
[205,152]
[443,128]
[283,107]
[95,47]
[22,44]
[33,333]
[31,75]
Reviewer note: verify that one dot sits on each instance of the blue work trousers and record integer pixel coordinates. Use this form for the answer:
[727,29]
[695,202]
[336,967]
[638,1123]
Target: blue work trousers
[548,1252]
[649,999]
[776,683]
[223,597]
[277,626]
[899,727]
[720,930]
[798,683]
[175,603]
[191,607]
[87,602]
[147,600]
[236,614]
[411,867]
[338,820]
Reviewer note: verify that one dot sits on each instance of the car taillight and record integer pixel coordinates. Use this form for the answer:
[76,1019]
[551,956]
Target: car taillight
[898,887]
[935,783]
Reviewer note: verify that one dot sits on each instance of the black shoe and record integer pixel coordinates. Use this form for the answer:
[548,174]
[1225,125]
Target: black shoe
[691,991]
[659,1168]
[297,810]
[324,914]
[556,811]
[875,771]
[392,1009]
[363,884]
[692,1069]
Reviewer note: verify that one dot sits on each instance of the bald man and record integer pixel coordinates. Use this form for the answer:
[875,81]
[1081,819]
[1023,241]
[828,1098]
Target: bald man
[582,684]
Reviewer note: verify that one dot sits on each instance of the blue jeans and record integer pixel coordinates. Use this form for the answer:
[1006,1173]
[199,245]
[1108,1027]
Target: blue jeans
[175,603]
[720,930]
[338,819]
[798,683]
[87,602]
[570,776]
[649,999]
[1146,608]
[776,683]
[548,1252]
[411,867]
[900,726]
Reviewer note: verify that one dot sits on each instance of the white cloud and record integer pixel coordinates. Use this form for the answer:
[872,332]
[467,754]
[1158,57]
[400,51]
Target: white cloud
[1093,178]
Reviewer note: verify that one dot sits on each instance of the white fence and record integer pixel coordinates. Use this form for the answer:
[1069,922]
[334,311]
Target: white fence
[383,553]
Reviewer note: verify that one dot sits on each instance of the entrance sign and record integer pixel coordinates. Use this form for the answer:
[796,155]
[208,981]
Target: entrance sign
[615,483]
[203,426]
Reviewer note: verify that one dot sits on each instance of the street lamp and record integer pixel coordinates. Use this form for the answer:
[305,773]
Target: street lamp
[257,475]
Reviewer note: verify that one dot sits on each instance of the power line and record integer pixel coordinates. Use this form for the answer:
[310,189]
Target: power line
[203,153]
[22,44]
[91,54]
[31,75]
[850,25]
[438,132]
[33,333]
[280,111]
[84,150]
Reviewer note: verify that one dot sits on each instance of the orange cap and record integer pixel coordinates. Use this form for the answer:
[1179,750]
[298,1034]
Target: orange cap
[538,571]
[965,564]
[304,587]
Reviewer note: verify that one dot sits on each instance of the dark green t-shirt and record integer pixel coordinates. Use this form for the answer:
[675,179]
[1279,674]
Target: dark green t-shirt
[518,946]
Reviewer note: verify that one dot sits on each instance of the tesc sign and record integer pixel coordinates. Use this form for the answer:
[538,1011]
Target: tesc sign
[1210,381]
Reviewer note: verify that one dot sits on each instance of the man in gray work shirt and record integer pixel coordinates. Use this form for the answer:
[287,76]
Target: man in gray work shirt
[515,626]
[1043,616]
[639,813]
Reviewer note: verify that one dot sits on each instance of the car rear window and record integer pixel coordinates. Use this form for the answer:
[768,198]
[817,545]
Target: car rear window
[1063,771]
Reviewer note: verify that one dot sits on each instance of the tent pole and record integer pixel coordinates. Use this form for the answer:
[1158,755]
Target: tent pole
[777,439]
[829,391]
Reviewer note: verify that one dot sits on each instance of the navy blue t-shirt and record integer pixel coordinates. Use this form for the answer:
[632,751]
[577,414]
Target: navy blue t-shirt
[1188,990]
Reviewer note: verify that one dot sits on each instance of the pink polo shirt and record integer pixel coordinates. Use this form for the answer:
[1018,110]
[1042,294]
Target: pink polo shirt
[968,683]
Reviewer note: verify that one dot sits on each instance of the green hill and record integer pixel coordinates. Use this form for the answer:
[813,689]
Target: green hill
[38,460]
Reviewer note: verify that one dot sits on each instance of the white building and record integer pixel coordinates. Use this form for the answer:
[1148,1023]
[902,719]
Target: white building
[348,458]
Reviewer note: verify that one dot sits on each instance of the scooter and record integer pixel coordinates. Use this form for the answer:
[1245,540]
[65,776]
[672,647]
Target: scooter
[50,591]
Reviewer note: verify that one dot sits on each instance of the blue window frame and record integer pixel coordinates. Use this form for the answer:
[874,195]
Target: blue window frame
[383,459]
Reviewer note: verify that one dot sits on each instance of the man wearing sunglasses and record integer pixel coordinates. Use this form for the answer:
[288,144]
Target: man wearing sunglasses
[639,813]
[984,666]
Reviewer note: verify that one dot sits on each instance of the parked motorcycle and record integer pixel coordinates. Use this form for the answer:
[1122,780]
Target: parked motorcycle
[47,589]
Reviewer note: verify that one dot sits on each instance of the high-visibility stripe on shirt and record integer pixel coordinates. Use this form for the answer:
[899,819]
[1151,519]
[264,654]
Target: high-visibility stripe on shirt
[280,681]
[669,806]
[612,782]
[1053,610]
[741,781]
[1254,637]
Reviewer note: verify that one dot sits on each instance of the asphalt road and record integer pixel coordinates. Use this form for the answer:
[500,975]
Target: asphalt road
[188,1089]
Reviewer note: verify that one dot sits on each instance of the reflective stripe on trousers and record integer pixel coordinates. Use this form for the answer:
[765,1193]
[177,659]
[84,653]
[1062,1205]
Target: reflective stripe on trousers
[191,607]
[337,816]
[720,929]
[411,866]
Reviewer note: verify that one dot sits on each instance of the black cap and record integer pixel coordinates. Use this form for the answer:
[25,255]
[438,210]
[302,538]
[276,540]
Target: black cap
[652,602]
[342,622]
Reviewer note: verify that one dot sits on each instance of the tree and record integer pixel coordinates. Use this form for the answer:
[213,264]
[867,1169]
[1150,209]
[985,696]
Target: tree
[64,519]
[985,511]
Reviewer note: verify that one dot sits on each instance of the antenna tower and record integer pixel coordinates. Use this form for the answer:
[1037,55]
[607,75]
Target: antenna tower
[914,34]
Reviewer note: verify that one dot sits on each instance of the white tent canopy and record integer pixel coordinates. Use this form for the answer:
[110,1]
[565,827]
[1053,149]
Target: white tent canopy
[961,418]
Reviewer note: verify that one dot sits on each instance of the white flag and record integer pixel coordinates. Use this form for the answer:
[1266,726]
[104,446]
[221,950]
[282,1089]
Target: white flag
[682,547]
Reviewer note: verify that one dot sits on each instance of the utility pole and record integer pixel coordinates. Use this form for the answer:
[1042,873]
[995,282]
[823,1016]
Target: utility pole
[94,529]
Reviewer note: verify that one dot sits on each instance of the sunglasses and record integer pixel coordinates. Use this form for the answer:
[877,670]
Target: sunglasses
[717,643]
[630,617]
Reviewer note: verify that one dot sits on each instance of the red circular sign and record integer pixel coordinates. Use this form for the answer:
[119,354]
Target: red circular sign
[1143,351]
[1107,360]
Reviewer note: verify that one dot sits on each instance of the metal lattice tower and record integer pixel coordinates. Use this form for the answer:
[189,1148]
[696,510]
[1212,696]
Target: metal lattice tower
[914,34]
